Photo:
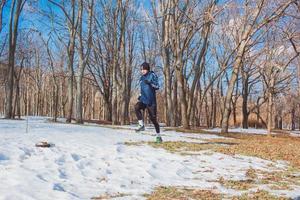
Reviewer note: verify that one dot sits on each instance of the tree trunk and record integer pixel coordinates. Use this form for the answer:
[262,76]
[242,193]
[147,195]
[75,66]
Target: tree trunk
[70,85]
[270,112]
[293,116]
[83,57]
[114,112]
[276,120]
[166,114]
[232,82]
[183,103]
[175,104]
[79,119]
[245,112]
[207,113]
[17,100]
[170,108]
[16,8]
[212,105]
[56,101]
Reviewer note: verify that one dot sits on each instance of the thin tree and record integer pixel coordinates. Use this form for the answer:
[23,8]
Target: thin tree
[83,54]
[15,12]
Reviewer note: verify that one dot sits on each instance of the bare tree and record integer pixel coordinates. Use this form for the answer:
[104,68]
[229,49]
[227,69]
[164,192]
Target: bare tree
[250,77]
[162,28]
[55,78]
[83,54]
[254,20]
[15,11]
[112,58]
[275,72]
[72,19]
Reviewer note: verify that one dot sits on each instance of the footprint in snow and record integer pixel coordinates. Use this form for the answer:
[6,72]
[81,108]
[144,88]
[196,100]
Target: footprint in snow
[41,177]
[154,166]
[61,160]
[58,187]
[3,157]
[62,173]
[83,164]
[26,153]
[75,157]
[120,148]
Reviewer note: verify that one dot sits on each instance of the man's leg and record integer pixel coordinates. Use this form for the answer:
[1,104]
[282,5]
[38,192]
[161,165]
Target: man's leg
[152,115]
[139,106]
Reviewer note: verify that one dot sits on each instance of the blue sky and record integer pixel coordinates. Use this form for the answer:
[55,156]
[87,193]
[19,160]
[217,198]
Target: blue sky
[35,19]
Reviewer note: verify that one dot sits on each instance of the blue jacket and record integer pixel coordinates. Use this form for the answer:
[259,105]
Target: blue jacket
[149,85]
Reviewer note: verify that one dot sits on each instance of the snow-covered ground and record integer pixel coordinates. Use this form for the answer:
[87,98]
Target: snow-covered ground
[240,130]
[88,161]
[295,133]
[251,131]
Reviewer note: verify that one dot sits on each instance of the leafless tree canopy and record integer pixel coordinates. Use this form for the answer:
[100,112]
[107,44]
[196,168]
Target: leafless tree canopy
[220,63]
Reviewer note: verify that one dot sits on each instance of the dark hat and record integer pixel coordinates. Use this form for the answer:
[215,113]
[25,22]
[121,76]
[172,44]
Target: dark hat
[145,66]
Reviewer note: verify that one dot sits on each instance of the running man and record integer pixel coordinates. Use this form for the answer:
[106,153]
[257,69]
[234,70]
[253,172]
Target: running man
[147,99]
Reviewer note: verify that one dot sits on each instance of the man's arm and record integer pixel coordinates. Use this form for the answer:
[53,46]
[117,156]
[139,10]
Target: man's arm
[154,81]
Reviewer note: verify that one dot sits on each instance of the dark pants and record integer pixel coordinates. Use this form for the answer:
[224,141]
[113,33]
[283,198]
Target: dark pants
[139,106]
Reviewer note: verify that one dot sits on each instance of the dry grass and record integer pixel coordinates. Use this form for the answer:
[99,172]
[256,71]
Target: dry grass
[237,184]
[107,196]
[275,180]
[195,130]
[181,146]
[176,193]
[280,180]
[265,147]
[270,148]
[178,146]
[134,143]
[260,194]
[251,174]
[275,147]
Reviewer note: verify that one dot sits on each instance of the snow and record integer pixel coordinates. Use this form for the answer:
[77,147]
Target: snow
[241,130]
[88,161]
[295,133]
[252,131]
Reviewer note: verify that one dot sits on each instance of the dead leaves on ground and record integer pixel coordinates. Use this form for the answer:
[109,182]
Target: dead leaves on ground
[177,193]
[182,193]
[109,196]
[265,147]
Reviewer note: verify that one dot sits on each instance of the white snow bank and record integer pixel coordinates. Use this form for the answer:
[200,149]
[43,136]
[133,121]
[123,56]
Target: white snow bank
[241,130]
[252,131]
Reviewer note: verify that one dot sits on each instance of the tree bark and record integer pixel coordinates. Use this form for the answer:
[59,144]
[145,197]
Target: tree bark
[293,116]
[245,102]
[183,102]
[270,112]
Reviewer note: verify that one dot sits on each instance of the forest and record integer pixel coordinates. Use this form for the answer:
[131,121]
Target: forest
[220,63]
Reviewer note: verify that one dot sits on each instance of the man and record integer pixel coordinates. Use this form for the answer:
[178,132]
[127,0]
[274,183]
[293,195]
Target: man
[147,99]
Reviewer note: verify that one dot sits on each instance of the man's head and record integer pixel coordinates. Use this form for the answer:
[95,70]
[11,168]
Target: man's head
[145,68]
